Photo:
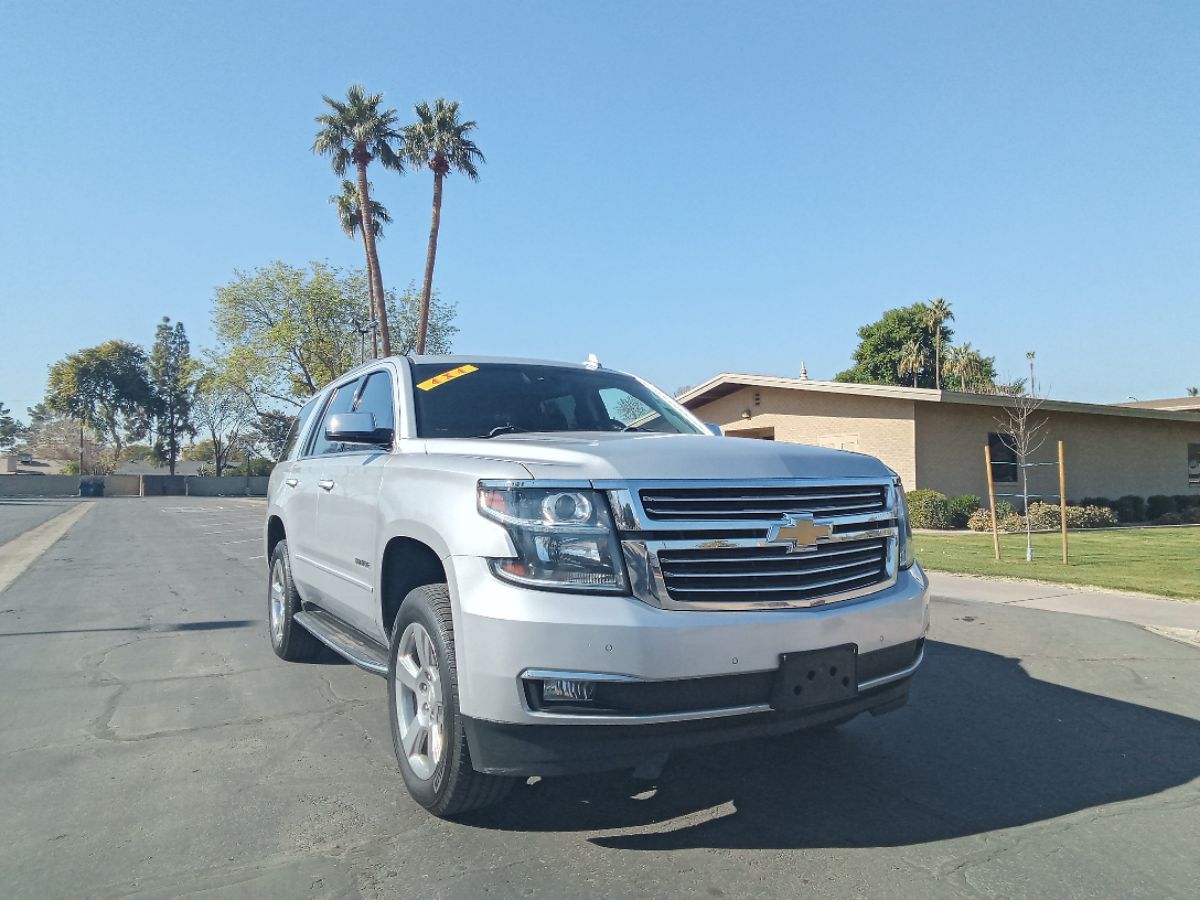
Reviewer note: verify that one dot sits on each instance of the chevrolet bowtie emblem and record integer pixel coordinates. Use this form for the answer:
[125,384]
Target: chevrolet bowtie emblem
[800,532]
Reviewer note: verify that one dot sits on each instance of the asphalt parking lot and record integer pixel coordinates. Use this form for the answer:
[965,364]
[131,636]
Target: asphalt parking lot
[153,745]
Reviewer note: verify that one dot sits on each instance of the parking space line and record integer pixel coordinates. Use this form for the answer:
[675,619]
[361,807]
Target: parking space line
[24,550]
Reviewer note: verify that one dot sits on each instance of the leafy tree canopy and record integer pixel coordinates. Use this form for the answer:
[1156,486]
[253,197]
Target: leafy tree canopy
[283,332]
[898,340]
[105,387]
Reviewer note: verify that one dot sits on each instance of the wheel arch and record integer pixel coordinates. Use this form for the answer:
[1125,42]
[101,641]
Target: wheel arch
[275,534]
[406,563]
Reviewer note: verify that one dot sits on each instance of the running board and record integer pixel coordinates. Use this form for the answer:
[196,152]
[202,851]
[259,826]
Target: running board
[343,640]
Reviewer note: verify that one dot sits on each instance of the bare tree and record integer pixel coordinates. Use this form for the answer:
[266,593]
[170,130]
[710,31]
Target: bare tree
[223,413]
[1022,431]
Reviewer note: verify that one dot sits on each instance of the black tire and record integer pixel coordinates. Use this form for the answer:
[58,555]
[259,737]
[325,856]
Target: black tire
[453,787]
[289,640]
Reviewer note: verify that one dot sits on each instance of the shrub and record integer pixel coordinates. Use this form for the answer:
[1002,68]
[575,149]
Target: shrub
[928,509]
[1159,505]
[1130,508]
[962,508]
[1185,502]
[1044,516]
[1170,518]
[1096,501]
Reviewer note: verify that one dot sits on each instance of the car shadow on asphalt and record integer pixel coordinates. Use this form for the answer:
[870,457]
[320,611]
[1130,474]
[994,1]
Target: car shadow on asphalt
[980,746]
[154,628]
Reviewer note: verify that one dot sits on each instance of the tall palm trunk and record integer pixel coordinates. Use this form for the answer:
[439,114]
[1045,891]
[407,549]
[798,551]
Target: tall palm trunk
[372,306]
[937,361]
[430,256]
[368,228]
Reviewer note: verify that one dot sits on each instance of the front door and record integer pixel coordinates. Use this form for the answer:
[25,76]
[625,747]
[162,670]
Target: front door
[348,508]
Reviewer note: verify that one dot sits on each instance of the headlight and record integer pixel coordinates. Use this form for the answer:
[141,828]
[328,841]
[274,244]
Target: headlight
[905,528]
[564,538]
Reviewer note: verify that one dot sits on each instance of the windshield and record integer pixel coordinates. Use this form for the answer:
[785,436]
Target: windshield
[490,399]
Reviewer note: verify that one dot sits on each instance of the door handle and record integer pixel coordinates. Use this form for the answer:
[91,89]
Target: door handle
[291,482]
[326,484]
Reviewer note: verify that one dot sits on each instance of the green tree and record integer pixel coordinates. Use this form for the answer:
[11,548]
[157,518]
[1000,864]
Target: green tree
[10,428]
[438,141]
[172,377]
[1193,391]
[283,332]
[937,313]
[877,357]
[356,132]
[349,217]
[105,387]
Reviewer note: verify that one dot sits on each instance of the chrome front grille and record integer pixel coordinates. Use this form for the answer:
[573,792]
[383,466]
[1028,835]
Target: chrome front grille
[705,544]
[754,503]
[770,575]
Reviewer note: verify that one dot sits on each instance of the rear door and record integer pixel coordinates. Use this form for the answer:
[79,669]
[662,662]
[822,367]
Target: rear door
[348,509]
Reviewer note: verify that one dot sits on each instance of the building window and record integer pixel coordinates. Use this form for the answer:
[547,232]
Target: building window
[1194,464]
[1004,458]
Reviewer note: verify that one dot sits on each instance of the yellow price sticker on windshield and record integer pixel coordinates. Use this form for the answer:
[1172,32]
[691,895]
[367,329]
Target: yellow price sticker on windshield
[430,383]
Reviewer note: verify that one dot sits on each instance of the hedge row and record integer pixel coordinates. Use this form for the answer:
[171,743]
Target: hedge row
[1043,516]
[932,509]
[1131,508]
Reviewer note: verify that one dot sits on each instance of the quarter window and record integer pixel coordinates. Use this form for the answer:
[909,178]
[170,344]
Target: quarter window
[376,398]
[341,402]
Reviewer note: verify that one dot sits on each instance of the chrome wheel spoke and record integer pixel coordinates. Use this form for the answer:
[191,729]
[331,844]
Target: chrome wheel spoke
[420,711]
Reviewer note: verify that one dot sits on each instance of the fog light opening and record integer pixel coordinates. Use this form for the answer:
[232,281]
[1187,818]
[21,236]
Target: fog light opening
[567,690]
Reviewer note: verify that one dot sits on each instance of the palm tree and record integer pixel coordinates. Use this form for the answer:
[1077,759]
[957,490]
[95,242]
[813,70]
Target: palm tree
[937,313]
[438,141]
[348,216]
[357,131]
[913,358]
[1193,391]
[964,363]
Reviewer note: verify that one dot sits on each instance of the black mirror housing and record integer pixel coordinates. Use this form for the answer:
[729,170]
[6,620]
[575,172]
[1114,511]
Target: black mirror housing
[357,428]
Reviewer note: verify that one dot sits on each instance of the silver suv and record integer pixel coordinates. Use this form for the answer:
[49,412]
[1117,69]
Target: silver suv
[558,569]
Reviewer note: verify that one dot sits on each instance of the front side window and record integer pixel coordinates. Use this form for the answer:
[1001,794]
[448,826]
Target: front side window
[490,399]
[341,402]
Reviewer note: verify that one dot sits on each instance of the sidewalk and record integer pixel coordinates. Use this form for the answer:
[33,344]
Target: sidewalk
[1161,615]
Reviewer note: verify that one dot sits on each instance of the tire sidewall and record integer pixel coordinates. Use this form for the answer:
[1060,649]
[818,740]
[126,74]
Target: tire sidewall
[432,791]
[280,555]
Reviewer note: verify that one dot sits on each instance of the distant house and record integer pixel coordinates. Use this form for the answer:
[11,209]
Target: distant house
[935,439]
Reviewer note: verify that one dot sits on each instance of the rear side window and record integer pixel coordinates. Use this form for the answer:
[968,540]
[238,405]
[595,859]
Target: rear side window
[342,401]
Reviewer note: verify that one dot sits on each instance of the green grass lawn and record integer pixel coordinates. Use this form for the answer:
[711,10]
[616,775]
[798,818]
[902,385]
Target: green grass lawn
[1163,561]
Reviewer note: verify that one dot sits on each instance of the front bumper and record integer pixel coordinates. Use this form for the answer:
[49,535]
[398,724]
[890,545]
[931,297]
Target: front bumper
[523,750]
[503,631]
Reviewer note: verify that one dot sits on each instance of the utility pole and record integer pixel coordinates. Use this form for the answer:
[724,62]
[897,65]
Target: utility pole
[80,449]
[1032,390]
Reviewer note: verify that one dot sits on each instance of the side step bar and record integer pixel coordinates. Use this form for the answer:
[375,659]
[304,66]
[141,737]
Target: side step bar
[363,651]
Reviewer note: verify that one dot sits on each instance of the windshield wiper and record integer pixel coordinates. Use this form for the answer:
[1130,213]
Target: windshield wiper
[502,429]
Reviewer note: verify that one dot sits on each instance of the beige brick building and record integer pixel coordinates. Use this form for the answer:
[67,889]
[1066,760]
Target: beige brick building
[935,439]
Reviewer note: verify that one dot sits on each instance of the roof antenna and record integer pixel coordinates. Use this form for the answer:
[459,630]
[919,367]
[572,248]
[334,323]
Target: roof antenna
[803,371]
[591,362]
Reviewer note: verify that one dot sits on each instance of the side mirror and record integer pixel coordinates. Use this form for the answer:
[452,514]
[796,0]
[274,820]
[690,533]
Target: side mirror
[713,429]
[357,428]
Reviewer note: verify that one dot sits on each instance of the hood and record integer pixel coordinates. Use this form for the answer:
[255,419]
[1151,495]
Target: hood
[638,457]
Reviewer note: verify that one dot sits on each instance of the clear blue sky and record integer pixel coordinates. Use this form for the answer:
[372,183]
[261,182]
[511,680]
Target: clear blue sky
[680,187]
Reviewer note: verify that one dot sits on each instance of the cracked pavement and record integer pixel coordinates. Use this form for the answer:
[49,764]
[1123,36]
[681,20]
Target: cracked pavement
[154,746]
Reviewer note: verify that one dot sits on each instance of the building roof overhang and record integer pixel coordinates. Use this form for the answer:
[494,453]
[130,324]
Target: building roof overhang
[728,382]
